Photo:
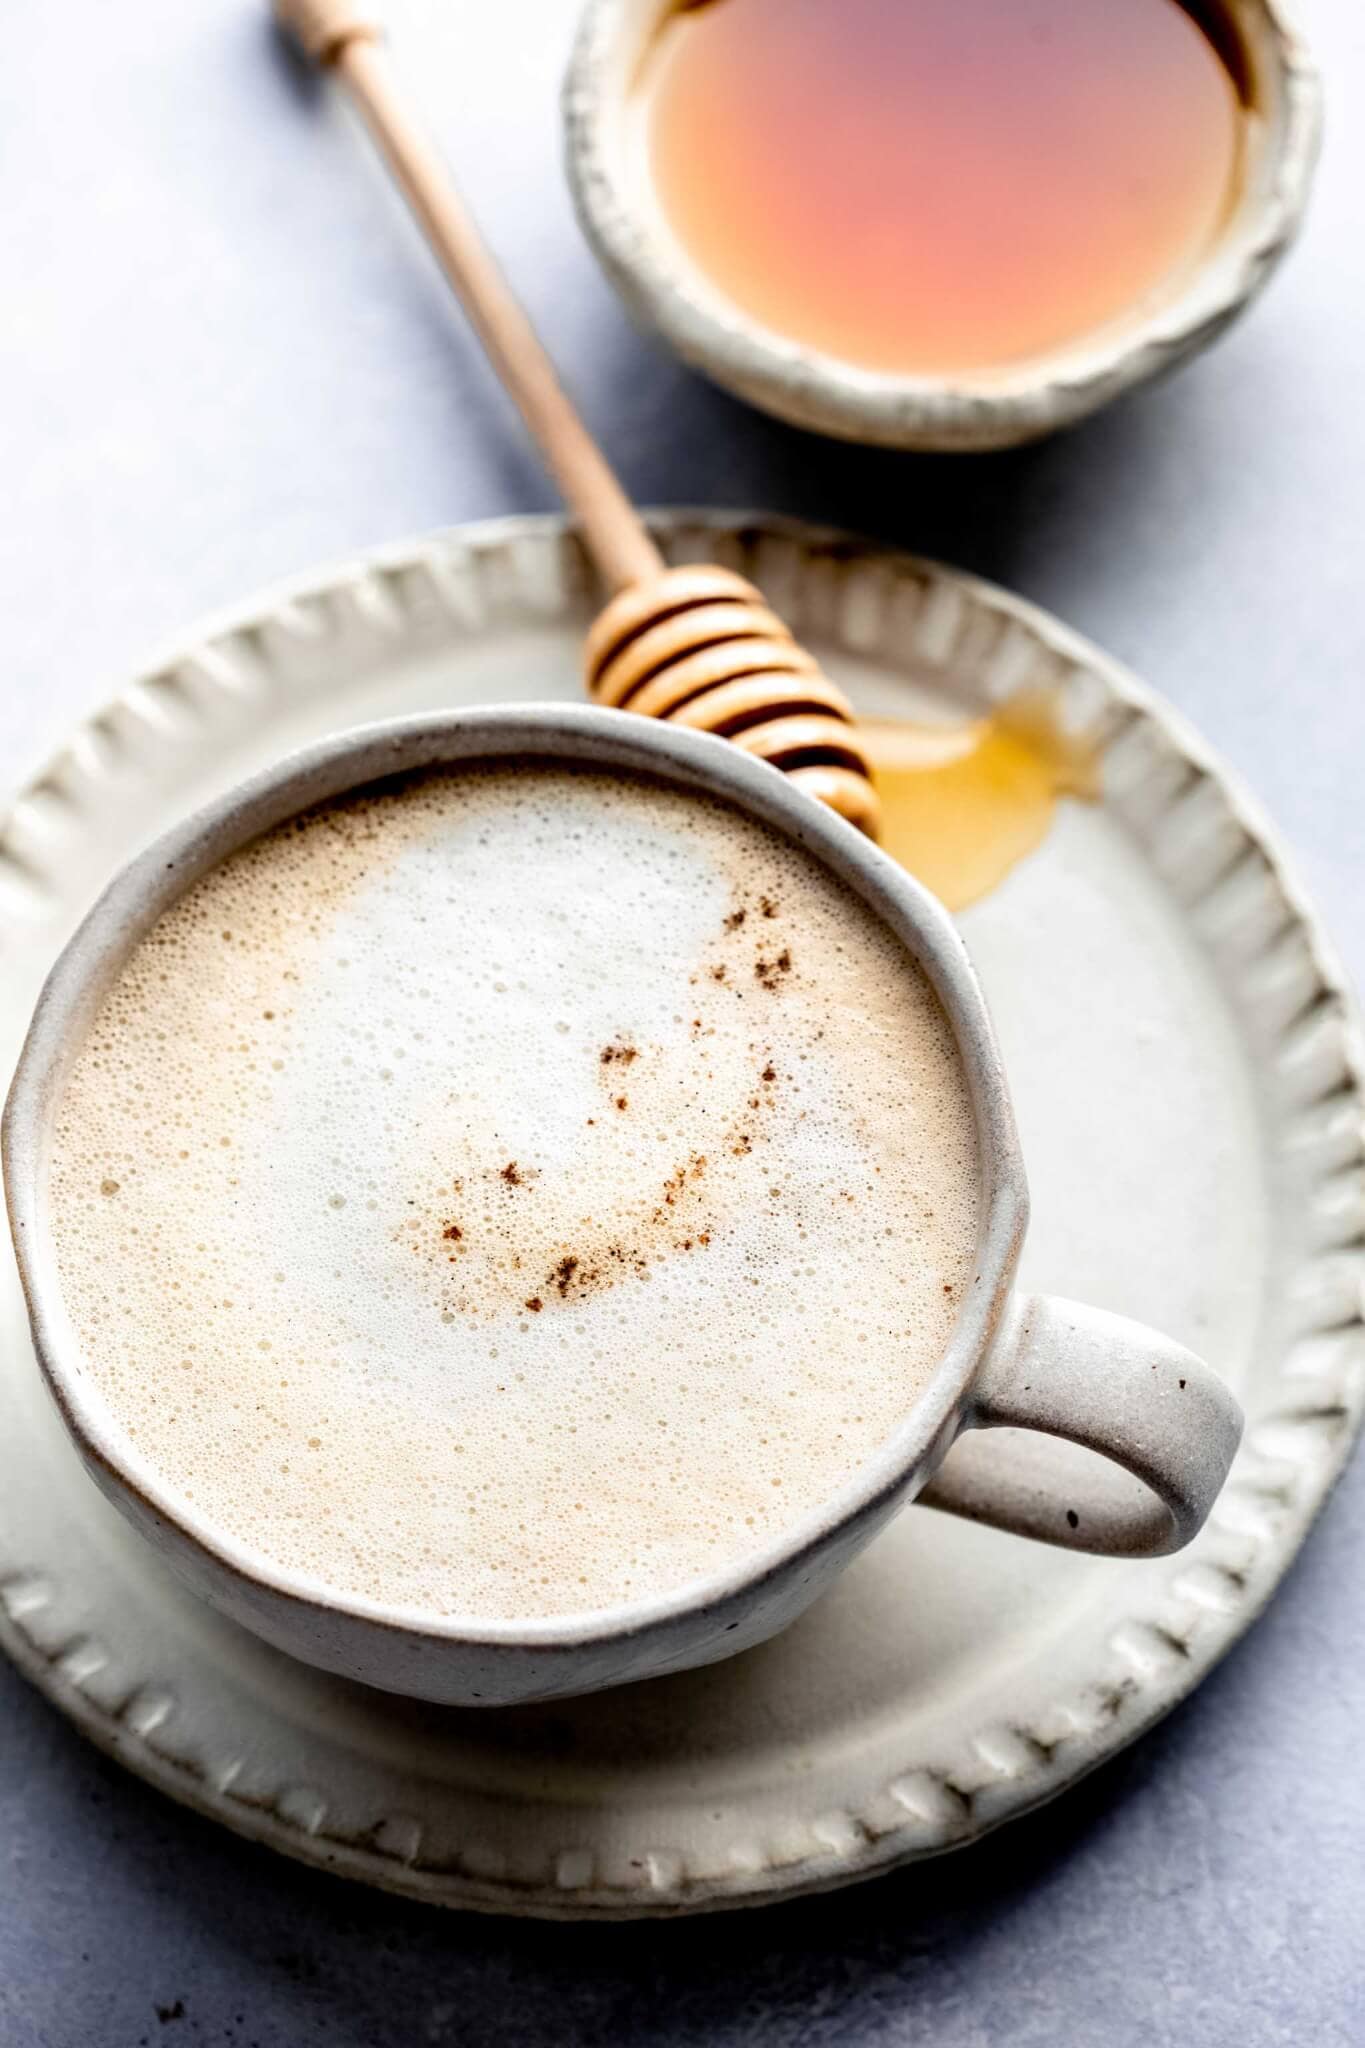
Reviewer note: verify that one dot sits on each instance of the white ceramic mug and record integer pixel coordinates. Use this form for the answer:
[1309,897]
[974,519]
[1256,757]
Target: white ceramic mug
[1057,1374]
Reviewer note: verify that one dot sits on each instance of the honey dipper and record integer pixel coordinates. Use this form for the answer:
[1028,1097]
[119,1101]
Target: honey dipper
[694,644]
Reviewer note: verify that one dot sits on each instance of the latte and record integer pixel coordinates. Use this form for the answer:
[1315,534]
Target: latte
[512,1191]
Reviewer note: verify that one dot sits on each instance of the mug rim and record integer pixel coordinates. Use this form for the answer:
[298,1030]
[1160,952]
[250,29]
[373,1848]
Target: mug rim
[620,215]
[550,732]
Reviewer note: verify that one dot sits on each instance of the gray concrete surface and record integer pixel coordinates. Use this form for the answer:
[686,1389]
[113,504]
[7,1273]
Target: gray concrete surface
[223,357]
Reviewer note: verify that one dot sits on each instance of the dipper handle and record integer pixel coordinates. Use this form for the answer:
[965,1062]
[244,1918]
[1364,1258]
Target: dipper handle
[695,645]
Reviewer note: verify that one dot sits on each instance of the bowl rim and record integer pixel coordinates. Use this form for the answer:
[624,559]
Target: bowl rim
[551,732]
[1000,408]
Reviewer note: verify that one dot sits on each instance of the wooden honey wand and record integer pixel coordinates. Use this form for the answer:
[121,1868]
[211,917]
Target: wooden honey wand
[694,644]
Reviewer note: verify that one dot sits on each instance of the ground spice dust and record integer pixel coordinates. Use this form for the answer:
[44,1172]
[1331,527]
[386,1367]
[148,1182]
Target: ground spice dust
[770,974]
[621,1051]
[679,1220]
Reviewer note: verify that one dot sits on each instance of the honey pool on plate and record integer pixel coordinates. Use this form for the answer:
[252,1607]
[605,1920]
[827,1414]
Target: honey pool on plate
[938,186]
[963,804]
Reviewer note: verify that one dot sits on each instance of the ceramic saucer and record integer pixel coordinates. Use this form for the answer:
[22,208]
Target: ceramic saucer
[1176,1029]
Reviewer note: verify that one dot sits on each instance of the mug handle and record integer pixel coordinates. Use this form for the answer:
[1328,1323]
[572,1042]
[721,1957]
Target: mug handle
[1161,1417]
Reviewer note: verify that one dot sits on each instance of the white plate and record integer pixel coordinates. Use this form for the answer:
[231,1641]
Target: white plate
[1175,1026]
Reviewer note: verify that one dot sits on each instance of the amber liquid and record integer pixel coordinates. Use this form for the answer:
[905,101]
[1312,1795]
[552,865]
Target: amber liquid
[930,186]
[963,804]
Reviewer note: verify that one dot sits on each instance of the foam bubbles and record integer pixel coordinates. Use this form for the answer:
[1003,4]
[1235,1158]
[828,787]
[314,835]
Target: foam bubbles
[514,1191]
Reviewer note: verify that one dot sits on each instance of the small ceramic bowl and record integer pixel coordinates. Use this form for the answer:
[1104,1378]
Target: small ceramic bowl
[605,107]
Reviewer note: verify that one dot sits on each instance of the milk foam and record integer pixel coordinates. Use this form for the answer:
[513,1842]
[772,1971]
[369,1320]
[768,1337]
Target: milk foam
[514,1191]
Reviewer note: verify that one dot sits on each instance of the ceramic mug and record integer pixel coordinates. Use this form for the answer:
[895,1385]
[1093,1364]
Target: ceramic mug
[1058,1376]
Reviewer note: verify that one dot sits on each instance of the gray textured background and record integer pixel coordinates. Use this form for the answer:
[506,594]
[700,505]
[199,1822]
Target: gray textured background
[224,358]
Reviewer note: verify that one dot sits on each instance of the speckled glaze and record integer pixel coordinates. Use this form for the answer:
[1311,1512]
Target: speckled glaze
[996,409]
[1023,1361]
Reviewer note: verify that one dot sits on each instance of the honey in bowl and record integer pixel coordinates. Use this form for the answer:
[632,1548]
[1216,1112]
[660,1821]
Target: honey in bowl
[928,187]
